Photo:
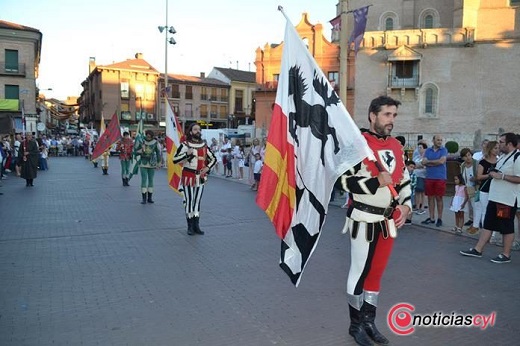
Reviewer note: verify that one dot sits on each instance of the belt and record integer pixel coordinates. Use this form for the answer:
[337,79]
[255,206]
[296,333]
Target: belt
[191,170]
[386,212]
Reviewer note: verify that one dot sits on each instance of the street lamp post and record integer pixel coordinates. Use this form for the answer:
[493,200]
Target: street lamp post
[167,30]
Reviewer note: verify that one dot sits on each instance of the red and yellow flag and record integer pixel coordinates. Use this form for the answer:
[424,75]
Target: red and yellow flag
[276,194]
[174,136]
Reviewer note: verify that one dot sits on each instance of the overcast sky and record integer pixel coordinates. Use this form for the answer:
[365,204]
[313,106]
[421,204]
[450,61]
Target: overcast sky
[210,33]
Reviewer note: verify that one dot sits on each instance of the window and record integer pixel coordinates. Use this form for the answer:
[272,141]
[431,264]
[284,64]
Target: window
[213,94]
[189,92]
[150,92]
[428,22]
[388,21]
[12,92]
[139,90]
[213,113]
[333,77]
[203,93]
[515,2]
[404,74]
[223,112]
[224,95]
[389,24]
[429,19]
[239,101]
[203,111]
[175,91]
[429,100]
[11,60]
[125,90]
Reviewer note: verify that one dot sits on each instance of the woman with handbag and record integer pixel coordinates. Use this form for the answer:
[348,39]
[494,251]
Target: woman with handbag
[485,166]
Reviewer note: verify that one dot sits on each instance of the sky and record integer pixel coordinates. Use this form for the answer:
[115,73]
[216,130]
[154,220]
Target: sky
[210,33]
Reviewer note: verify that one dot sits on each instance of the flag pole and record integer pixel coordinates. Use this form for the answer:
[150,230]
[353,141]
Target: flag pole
[280,8]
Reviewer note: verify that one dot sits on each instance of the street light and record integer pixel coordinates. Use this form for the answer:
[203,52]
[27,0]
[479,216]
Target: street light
[167,30]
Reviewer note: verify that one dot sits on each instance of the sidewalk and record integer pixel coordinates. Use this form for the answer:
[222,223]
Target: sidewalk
[448,217]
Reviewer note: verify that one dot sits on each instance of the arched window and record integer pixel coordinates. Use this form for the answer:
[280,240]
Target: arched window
[388,21]
[429,101]
[429,18]
[428,22]
[389,24]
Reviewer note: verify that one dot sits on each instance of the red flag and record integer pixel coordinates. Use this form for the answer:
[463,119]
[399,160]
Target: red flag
[312,140]
[111,135]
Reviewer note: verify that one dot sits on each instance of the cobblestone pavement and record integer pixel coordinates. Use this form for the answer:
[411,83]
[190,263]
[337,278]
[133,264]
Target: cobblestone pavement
[82,262]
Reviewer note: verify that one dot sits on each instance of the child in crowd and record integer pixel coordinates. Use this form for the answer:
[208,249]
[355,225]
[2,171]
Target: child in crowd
[410,166]
[241,162]
[458,203]
[257,171]
[229,163]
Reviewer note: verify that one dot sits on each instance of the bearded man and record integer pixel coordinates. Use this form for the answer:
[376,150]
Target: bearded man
[197,160]
[373,216]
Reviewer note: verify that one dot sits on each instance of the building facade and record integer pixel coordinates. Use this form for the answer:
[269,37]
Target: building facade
[242,89]
[454,65]
[20,51]
[200,99]
[128,88]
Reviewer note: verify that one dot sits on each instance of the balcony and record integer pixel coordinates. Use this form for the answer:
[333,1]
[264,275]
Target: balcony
[407,83]
[12,70]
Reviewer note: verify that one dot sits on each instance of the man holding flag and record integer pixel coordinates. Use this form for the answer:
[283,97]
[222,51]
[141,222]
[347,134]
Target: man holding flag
[373,215]
[312,142]
[197,160]
[109,136]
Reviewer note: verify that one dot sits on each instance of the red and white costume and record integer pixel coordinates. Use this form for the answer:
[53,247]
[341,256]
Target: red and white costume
[369,216]
[193,179]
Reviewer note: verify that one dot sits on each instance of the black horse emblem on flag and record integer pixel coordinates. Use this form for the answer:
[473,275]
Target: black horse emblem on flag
[314,116]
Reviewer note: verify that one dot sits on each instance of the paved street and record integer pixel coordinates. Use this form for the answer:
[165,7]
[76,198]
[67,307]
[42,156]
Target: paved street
[82,262]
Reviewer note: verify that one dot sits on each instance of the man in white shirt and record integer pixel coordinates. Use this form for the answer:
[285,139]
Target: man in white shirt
[504,195]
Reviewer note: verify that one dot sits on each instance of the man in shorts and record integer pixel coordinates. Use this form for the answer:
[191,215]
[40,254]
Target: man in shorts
[504,195]
[435,185]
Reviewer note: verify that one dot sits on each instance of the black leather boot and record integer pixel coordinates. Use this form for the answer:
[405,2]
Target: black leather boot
[369,316]
[150,197]
[196,227]
[124,181]
[144,198]
[105,171]
[357,329]
[190,226]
